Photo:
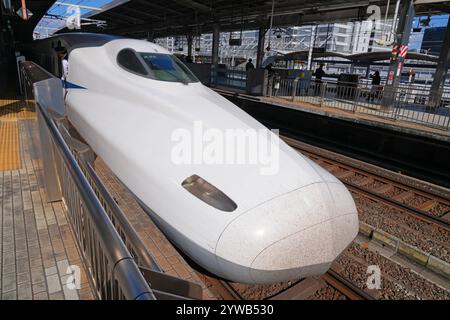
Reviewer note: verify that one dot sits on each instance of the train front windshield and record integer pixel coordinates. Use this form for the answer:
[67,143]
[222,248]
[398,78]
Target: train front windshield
[165,67]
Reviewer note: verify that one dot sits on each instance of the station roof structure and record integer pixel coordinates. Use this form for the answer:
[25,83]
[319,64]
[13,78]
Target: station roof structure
[156,18]
[141,18]
[56,17]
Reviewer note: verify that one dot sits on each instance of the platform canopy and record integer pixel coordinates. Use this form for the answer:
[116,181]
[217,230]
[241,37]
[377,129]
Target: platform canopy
[358,58]
[59,14]
[156,18]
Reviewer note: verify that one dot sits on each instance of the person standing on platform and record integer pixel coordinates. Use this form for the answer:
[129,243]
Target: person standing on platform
[319,74]
[270,70]
[376,86]
[249,65]
[64,65]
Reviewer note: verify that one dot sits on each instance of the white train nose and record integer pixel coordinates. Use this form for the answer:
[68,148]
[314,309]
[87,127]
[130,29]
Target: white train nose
[292,236]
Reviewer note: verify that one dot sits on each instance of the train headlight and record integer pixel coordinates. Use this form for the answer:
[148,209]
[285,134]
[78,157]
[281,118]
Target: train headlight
[208,193]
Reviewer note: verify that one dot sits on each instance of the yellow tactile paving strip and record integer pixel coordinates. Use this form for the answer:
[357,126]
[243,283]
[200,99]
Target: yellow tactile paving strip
[12,110]
[9,146]
[36,241]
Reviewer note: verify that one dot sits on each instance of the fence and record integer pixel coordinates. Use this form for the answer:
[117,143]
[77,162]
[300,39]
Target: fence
[113,271]
[411,102]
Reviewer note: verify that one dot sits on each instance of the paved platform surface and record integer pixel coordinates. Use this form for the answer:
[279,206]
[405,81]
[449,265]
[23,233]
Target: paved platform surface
[36,242]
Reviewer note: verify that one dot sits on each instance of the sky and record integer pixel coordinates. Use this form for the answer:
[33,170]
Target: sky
[49,24]
[415,41]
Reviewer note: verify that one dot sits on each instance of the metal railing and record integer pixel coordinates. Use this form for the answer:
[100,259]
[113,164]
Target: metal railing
[111,266]
[411,102]
[85,158]
[163,286]
[118,263]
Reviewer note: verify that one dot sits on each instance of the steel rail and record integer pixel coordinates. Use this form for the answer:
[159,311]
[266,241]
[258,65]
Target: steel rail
[345,287]
[395,203]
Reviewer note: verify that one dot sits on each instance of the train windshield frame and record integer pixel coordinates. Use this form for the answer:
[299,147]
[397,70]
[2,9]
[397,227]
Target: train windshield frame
[166,67]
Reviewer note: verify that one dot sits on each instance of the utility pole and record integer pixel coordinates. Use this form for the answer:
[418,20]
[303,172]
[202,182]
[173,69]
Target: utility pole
[402,34]
[437,86]
[311,45]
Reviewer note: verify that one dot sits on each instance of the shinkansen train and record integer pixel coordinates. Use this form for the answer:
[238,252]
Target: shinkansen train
[131,101]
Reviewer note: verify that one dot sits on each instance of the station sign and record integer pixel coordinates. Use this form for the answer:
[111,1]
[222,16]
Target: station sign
[390,78]
[235,42]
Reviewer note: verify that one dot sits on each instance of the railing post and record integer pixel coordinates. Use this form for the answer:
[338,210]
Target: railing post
[276,85]
[322,93]
[396,100]
[448,123]
[213,78]
[265,82]
[294,88]
[270,86]
[355,100]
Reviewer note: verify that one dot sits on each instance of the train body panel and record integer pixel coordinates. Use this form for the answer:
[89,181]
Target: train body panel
[288,224]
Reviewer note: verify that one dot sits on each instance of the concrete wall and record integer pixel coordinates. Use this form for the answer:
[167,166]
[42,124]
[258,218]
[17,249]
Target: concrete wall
[257,82]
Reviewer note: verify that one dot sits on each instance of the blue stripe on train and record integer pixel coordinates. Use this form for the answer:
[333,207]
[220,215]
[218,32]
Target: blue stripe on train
[70,85]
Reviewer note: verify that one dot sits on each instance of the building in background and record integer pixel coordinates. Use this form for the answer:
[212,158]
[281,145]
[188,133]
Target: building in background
[433,39]
[334,37]
[347,38]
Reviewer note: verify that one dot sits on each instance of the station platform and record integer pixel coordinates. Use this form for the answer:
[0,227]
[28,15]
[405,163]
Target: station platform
[375,120]
[343,112]
[36,241]
[412,148]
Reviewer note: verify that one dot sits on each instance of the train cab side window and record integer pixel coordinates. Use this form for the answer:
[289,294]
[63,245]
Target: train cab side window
[128,60]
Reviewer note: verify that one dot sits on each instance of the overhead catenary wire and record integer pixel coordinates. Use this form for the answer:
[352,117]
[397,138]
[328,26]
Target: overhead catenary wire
[271,25]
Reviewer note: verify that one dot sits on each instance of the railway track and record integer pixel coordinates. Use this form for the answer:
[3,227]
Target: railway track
[301,289]
[347,288]
[423,201]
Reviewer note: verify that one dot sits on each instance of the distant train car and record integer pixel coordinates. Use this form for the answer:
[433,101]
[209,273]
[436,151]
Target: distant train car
[126,98]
